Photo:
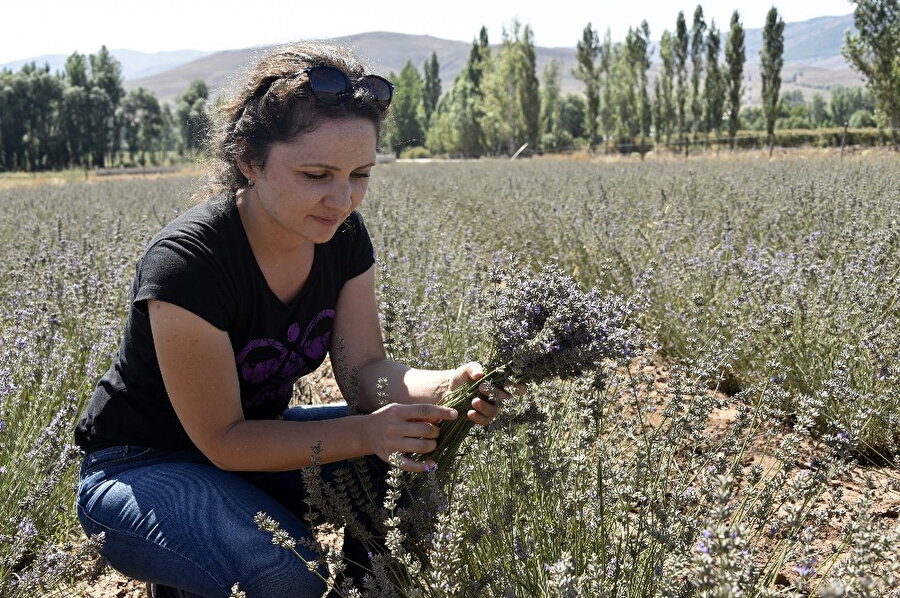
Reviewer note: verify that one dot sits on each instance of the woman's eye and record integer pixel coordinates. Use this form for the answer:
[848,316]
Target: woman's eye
[361,175]
[315,176]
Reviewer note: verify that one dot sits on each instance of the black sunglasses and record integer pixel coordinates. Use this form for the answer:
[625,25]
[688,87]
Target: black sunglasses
[330,85]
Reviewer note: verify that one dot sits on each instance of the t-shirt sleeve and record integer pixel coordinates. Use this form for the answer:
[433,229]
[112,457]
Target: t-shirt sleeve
[184,273]
[361,253]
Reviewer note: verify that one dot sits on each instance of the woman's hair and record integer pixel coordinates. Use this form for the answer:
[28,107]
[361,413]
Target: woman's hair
[274,104]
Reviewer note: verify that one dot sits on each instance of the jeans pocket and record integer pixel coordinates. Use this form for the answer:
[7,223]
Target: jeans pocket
[111,457]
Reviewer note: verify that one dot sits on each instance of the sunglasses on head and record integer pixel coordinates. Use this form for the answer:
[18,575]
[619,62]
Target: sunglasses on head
[330,85]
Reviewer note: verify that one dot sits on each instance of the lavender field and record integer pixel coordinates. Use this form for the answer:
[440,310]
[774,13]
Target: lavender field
[750,447]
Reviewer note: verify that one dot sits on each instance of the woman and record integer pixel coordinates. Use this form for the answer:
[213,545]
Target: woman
[188,434]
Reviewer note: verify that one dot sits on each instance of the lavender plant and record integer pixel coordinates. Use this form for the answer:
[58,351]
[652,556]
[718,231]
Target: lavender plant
[727,455]
[543,326]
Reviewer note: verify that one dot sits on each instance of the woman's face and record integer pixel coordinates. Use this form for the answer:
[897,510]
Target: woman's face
[310,185]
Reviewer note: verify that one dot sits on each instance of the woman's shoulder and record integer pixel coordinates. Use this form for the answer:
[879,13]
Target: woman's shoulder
[211,222]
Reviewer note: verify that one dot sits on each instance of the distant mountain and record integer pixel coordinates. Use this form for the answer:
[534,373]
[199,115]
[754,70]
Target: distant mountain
[388,52]
[816,39]
[812,60]
[134,64]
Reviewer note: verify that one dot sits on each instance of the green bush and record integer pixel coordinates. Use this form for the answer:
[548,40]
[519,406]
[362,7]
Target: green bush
[415,153]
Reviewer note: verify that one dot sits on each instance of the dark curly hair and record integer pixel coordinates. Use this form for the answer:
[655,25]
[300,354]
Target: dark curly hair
[275,105]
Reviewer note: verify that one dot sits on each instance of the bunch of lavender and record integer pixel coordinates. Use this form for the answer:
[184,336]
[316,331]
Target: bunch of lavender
[544,326]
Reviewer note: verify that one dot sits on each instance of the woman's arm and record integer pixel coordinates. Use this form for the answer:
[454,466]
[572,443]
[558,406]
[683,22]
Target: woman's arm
[197,364]
[359,360]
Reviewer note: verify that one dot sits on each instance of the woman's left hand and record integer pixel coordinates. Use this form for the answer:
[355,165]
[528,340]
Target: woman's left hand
[483,411]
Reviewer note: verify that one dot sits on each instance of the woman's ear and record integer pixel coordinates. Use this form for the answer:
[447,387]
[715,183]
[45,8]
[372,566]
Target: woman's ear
[247,168]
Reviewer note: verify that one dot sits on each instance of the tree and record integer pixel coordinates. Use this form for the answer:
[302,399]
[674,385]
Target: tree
[734,58]
[12,126]
[38,96]
[770,62]
[141,119]
[681,54]
[714,86]
[658,121]
[624,98]
[572,109]
[818,111]
[455,127]
[479,58]
[106,93]
[74,125]
[75,110]
[638,58]
[875,53]
[528,87]
[192,116]
[845,101]
[587,51]
[406,129]
[431,86]
[664,95]
[512,98]
[698,47]
[607,103]
[76,70]
[553,135]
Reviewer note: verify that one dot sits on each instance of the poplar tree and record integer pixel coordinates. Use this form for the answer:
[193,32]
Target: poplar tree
[456,127]
[192,116]
[608,81]
[639,57]
[512,95]
[528,95]
[770,62]
[664,97]
[734,58]
[659,125]
[587,52]
[698,46]
[552,135]
[874,51]
[74,112]
[681,54]
[431,86]
[106,92]
[406,129]
[714,86]
[141,120]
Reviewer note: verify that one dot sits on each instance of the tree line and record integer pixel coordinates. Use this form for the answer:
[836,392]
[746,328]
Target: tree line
[497,104]
[82,117]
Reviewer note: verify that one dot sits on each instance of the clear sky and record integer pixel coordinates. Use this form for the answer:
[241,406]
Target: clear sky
[37,27]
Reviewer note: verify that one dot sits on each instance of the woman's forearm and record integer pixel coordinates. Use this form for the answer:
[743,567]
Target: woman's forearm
[283,445]
[399,383]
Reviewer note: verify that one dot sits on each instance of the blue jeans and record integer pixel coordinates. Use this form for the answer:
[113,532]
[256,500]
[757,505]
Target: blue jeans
[173,518]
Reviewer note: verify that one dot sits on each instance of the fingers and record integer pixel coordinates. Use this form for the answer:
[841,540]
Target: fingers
[474,370]
[485,410]
[430,413]
[407,429]
[411,465]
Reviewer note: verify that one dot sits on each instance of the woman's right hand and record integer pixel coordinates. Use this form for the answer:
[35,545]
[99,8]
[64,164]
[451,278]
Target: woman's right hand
[405,429]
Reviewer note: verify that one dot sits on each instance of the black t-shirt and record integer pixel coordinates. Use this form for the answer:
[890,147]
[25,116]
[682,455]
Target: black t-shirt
[202,261]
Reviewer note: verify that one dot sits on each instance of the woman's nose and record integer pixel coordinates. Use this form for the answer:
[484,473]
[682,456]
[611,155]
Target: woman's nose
[340,194]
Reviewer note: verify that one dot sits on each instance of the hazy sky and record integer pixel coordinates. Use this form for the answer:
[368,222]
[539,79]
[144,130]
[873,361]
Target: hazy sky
[36,27]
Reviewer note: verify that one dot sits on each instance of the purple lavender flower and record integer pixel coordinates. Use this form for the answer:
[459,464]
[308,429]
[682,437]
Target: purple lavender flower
[26,528]
[545,327]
